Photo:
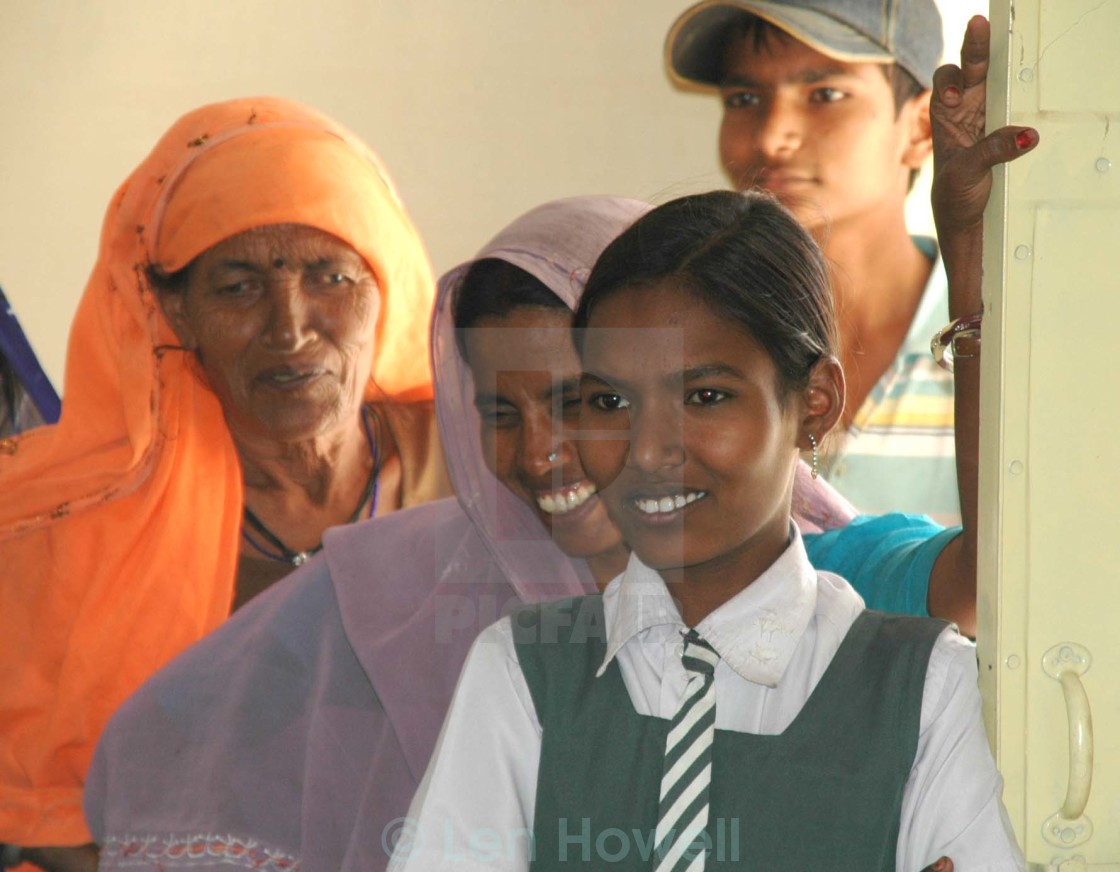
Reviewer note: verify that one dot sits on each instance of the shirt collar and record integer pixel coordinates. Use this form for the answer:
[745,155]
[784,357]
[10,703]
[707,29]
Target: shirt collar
[755,632]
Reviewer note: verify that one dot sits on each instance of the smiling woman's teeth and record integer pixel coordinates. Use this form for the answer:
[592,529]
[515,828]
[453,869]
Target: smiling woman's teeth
[668,504]
[561,501]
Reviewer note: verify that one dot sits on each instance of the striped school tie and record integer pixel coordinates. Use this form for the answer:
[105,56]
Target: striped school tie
[683,808]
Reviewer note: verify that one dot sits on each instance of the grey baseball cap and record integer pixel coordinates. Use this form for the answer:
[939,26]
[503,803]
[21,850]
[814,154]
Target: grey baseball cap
[905,32]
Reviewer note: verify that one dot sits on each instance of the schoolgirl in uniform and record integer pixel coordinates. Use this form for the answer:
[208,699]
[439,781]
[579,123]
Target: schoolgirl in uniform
[722,702]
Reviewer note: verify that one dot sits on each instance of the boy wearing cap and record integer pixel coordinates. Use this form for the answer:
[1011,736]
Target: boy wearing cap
[826,104]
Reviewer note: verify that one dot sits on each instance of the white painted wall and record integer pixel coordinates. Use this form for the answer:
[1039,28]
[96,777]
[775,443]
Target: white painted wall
[480,108]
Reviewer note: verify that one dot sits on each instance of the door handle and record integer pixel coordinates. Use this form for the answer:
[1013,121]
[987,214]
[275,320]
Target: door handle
[1069,827]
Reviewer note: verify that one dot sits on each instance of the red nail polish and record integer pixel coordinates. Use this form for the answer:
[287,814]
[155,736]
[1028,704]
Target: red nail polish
[1026,138]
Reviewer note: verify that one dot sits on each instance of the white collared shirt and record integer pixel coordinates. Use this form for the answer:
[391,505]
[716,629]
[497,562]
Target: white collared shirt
[474,808]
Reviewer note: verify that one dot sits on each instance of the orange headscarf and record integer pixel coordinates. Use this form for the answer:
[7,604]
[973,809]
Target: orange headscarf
[119,526]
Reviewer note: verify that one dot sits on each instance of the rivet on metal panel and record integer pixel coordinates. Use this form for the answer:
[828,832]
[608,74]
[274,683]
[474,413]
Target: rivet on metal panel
[1015,467]
[1103,165]
[1022,252]
[1026,74]
[1013,661]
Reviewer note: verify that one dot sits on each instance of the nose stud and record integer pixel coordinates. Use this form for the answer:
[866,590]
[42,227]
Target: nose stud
[553,456]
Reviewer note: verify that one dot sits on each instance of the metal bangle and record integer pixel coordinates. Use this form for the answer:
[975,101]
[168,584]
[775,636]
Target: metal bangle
[943,345]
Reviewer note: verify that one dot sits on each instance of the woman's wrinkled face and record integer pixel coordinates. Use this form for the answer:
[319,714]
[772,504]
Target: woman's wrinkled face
[526,377]
[283,320]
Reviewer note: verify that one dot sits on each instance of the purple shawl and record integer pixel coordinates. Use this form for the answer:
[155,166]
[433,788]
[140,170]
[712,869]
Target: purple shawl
[295,735]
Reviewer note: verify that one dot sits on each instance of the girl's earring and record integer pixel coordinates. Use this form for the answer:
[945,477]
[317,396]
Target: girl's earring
[816,468]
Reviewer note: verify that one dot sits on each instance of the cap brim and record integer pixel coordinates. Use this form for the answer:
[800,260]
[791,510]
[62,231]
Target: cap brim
[696,42]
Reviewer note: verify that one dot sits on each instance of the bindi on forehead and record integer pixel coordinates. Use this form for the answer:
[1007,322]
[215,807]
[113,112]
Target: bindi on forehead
[281,247]
[297,250]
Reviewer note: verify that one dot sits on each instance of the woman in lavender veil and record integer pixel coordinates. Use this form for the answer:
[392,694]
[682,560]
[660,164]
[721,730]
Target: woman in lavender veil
[298,731]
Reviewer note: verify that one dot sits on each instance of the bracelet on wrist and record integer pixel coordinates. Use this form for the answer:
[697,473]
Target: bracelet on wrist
[9,856]
[943,346]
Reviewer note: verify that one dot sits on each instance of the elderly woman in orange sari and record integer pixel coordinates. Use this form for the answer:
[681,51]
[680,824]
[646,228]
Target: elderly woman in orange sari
[248,366]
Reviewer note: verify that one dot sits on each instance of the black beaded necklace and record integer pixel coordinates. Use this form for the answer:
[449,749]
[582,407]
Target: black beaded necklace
[282,552]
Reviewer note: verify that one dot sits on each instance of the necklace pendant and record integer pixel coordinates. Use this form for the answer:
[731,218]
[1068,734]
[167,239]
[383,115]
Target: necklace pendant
[282,552]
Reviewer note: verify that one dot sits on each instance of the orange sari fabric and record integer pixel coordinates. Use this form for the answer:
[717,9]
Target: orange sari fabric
[119,526]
